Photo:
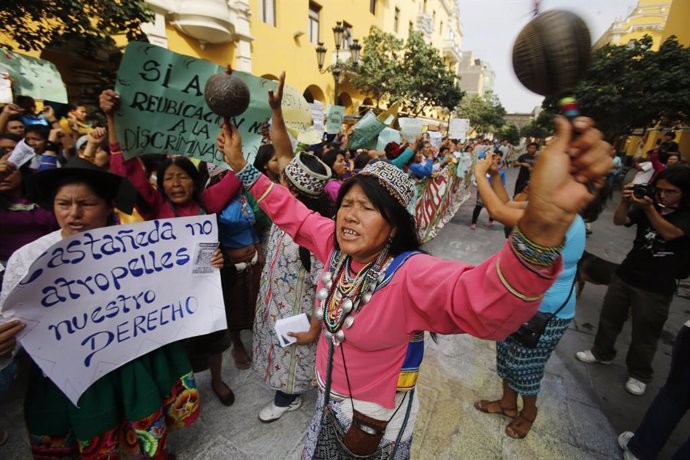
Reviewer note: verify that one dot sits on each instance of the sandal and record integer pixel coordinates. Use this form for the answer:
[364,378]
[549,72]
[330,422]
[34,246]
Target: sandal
[519,427]
[494,407]
[241,362]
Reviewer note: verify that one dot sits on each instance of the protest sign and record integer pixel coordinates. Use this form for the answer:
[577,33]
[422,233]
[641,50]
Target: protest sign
[162,107]
[435,138]
[365,131]
[33,77]
[99,299]
[334,118]
[410,128]
[296,111]
[386,136]
[318,117]
[458,128]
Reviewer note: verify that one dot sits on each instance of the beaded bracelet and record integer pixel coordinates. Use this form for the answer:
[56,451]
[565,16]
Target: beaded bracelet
[533,253]
[249,175]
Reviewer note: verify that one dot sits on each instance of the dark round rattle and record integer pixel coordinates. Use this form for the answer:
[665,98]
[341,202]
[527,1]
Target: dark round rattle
[226,94]
[552,53]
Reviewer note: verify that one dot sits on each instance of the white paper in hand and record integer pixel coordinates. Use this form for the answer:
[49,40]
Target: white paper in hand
[297,323]
[21,154]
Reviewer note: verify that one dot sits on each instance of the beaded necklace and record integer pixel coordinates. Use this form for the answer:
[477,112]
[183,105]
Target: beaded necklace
[345,293]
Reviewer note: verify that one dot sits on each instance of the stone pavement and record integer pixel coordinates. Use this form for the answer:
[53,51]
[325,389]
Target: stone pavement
[579,405]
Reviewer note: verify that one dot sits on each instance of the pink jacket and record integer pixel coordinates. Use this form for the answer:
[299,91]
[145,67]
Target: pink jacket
[426,293]
[215,198]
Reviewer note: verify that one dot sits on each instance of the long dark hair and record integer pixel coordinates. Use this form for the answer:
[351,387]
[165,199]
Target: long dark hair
[320,204]
[330,159]
[188,167]
[405,238]
[263,156]
[25,171]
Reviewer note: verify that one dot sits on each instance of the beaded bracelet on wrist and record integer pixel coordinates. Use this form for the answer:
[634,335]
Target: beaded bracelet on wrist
[249,175]
[533,253]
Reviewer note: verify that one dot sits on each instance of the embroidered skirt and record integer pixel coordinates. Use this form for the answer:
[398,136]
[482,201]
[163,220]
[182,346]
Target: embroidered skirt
[125,414]
[402,452]
[522,367]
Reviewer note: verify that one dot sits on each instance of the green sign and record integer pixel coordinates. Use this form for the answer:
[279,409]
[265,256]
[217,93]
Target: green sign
[162,106]
[33,77]
[334,118]
[365,132]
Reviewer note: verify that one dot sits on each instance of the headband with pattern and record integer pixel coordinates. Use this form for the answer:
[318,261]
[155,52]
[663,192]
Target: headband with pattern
[396,182]
[303,178]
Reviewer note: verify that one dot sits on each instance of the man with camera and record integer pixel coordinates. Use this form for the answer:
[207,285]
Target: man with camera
[646,280]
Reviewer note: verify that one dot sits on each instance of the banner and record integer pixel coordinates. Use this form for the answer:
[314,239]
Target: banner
[458,128]
[33,77]
[101,298]
[162,106]
[410,128]
[438,199]
[334,118]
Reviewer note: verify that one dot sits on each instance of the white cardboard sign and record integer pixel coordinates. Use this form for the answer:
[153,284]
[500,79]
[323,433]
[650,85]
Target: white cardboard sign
[458,128]
[99,299]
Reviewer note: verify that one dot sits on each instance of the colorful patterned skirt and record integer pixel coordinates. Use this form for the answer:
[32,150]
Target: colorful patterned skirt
[522,367]
[125,414]
[402,452]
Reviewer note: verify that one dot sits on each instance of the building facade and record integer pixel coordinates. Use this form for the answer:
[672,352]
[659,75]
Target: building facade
[265,37]
[476,75]
[648,18]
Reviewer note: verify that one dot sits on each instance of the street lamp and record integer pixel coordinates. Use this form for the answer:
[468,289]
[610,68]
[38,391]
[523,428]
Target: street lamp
[338,67]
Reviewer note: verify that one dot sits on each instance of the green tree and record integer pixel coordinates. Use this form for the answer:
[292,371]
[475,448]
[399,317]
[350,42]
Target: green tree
[633,86]
[377,73]
[35,24]
[391,69]
[428,82]
[510,132]
[484,112]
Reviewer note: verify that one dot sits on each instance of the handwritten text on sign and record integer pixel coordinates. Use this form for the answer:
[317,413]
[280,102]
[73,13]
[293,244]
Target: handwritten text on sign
[162,107]
[101,298]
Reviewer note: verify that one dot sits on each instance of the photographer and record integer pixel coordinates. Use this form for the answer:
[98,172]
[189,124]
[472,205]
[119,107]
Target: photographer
[645,281]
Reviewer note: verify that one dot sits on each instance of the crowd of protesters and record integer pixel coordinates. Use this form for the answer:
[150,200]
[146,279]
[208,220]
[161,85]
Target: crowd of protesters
[326,231]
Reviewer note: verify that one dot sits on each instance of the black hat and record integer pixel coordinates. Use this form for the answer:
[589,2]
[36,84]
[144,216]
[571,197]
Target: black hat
[43,185]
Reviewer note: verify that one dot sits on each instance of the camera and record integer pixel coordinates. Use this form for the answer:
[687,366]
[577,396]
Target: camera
[643,190]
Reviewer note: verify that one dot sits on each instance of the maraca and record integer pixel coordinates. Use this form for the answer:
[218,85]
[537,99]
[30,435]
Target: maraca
[226,94]
[551,54]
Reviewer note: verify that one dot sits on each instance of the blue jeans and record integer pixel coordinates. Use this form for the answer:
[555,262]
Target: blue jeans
[668,408]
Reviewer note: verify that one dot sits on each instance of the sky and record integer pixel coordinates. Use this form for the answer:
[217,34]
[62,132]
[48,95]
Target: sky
[490,27]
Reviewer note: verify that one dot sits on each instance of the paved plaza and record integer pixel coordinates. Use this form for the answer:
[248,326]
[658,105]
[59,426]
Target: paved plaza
[582,408]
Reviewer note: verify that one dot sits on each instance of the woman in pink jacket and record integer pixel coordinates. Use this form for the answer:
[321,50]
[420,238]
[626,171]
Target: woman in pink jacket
[378,293]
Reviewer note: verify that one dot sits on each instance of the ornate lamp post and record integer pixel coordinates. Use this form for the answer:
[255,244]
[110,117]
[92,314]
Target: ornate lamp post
[337,68]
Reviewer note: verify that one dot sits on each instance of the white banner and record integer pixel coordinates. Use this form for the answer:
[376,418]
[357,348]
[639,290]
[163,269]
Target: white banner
[101,298]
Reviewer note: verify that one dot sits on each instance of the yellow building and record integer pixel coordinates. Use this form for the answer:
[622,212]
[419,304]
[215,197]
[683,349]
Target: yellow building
[648,18]
[265,37]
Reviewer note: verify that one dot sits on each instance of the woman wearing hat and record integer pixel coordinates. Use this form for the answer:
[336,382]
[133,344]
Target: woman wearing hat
[288,288]
[378,292]
[130,410]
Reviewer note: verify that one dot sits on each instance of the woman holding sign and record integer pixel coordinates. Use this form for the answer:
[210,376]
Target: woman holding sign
[378,292]
[129,410]
[180,194]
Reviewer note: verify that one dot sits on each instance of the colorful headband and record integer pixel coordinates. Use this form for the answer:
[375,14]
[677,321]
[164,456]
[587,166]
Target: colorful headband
[396,182]
[303,178]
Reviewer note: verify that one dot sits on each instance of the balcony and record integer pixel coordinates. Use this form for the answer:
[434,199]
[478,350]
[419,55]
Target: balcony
[208,21]
[451,50]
